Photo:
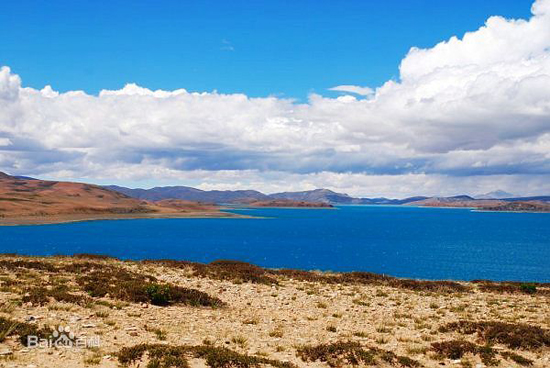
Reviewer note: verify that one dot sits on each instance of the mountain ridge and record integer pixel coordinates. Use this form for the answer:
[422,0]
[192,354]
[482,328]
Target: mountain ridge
[321,195]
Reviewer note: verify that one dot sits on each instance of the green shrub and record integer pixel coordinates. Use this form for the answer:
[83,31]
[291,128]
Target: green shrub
[158,294]
[528,288]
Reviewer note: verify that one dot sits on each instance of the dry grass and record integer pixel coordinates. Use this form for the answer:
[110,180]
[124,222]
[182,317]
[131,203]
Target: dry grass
[295,318]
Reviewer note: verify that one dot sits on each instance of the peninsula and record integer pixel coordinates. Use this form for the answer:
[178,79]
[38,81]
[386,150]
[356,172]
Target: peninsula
[30,201]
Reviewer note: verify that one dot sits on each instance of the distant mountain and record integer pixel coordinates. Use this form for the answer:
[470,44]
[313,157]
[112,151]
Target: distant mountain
[497,194]
[393,201]
[317,195]
[190,194]
[6,176]
[457,201]
[247,196]
[313,196]
[287,203]
[535,198]
[328,196]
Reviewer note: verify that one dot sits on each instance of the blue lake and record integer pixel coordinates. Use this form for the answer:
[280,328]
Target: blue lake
[429,243]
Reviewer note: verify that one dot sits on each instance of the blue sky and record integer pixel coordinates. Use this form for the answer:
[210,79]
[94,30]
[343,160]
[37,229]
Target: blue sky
[260,48]
[371,98]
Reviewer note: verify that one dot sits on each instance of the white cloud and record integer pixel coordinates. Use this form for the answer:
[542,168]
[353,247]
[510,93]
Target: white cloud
[470,114]
[363,91]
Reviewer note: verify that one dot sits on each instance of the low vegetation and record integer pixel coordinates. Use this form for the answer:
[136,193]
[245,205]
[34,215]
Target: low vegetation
[166,356]
[513,335]
[245,272]
[507,287]
[21,330]
[42,296]
[342,353]
[456,349]
[98,280]
[137,288]
[344,319]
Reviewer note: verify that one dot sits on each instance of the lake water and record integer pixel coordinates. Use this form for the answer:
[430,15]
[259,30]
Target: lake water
[429,243]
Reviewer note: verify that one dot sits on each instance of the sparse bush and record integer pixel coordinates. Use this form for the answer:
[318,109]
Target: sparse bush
[165,356]
[10,327]
[277,333]
[338,353]
[239,341]
[137,288]
[488,355]
[14,265]
[454,349]
[234,271]
[508,287]
[513,335]
[95,257]
[407,362]
[331,328]
[517,358]
[352,353]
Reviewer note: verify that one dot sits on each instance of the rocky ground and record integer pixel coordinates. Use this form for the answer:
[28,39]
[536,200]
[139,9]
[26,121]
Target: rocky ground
[177,314]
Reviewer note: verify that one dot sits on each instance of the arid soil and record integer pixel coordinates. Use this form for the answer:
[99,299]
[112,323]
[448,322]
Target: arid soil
[231,314]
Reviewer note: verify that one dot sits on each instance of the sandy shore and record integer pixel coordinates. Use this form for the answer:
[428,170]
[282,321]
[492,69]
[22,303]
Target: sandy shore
[262,319]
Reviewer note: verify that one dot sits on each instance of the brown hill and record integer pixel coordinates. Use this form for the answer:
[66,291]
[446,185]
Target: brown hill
[529,206]
[4,176]
[484,204]
[41,201]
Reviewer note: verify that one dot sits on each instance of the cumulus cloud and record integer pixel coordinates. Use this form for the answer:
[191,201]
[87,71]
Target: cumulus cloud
[470,114]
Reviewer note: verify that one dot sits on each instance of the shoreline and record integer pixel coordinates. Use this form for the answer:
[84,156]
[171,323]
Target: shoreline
[498,211]
[67,219]
[302,271]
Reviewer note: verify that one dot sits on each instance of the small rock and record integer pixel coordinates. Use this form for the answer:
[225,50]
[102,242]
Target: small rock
[6,352]
[88,325]
[144,305]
